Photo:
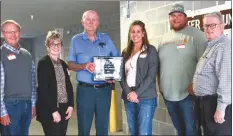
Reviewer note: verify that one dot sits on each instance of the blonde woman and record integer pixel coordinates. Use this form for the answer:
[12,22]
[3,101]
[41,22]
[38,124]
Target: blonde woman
[55,92]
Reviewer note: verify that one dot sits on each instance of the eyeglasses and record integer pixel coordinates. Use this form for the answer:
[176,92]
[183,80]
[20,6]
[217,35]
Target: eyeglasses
[211,26]
[11,32]
[56,45]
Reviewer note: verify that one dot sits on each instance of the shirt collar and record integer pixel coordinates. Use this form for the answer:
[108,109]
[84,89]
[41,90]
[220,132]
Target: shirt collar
[56,61]
[9,47]
[213,42]
[85,37]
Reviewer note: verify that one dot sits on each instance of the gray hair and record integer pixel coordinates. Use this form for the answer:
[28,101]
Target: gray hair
[88,11]
[10,22]
[217,15]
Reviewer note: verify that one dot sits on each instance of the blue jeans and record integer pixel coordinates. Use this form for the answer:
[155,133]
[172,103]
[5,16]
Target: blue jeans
[93,101]
[20,113]
[181,113]
[140,116]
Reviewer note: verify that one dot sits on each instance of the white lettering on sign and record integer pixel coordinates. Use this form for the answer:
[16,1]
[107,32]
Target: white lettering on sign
[227,19]
[195,23]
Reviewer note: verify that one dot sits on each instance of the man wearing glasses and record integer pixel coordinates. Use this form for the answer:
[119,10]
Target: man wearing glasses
[18,83]
[212,79]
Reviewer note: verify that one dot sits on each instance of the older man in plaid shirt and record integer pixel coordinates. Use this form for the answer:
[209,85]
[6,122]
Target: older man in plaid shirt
[212,79]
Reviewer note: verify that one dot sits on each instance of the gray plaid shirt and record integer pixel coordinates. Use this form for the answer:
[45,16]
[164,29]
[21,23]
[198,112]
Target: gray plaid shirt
[213,72]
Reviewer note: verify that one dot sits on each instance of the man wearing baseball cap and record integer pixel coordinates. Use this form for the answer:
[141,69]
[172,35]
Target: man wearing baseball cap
[177,8]
[179,52]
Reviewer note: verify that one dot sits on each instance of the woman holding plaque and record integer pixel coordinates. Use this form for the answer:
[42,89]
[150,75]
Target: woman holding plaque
[139,80]
[55,92]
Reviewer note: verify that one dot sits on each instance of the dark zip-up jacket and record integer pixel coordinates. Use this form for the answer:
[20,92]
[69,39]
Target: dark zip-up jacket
[147,68]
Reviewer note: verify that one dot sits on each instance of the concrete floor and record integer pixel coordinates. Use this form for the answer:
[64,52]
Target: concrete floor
[36,129]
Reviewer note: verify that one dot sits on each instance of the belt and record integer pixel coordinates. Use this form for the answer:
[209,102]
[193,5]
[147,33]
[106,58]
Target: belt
[207,97]
[93,85]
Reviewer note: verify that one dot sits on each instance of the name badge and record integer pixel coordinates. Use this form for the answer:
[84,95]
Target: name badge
[142,55]
[180,46]
[11,57]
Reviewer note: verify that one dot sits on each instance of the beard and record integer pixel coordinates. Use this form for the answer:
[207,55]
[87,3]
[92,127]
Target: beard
[177,28]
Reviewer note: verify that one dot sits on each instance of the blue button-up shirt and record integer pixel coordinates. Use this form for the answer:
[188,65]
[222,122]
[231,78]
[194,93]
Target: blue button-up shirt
[213,72]
[82,50]
[33,99]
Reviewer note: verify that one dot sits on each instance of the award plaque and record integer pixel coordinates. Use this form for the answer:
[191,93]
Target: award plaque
[108,68]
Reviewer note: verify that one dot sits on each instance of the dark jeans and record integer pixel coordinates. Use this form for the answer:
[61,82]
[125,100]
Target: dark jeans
[140,116]
[60,128]
[20,113]
[181,113]
[207,109]
[93,101]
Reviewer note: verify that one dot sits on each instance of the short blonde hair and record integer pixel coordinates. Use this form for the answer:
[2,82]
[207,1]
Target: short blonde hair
[10,22]
[52,36]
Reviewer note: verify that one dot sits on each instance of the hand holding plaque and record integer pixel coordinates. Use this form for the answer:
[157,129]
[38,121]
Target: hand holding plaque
[90,67]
